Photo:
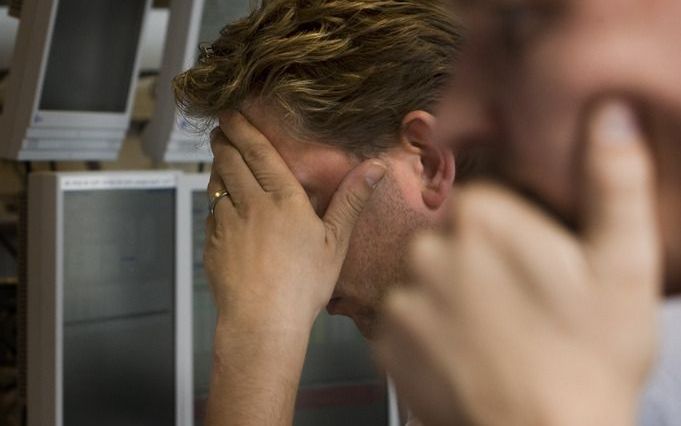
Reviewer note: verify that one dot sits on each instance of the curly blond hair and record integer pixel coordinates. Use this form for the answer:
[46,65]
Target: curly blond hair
[344,72]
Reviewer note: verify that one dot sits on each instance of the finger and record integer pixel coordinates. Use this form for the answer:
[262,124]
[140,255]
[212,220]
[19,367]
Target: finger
[508,244]
[349,201]
[224,209]
[407,321]
[409,315]
[262,159]
[233,172]
[215,183]
[413,348]
[618,206]
[430,259]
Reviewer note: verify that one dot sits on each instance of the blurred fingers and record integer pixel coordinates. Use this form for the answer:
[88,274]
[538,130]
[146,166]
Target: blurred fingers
[619,201]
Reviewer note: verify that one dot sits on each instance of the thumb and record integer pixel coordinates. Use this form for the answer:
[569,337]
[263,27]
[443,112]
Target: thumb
[619,211]
[349,201]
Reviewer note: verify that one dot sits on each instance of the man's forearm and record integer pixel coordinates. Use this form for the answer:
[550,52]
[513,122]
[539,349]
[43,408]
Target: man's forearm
[256,372]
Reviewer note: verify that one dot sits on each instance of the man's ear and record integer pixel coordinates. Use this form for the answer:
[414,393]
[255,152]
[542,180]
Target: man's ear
[436,167]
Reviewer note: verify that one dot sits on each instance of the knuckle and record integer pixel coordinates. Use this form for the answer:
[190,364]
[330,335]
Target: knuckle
[223,170]
[246,211]
[479,211]
[257,152]
[209,261]
[285,195]
[396,313]
[225,155]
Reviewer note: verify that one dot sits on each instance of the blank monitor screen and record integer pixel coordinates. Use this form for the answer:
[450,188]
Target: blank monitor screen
[118,307]
[339,384]
[92,56]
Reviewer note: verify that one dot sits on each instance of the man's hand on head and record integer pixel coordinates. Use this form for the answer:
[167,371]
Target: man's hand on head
[516,320]
[267,250]
[273,264]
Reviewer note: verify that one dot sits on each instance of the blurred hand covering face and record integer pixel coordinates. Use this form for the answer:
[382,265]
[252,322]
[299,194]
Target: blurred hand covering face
[516,320]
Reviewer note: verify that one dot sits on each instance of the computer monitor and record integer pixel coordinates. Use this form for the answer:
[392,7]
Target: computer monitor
[72,78]
[107,320]
[339,384]
[170,137]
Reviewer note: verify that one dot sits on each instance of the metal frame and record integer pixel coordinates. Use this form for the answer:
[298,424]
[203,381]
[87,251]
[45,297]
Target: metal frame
[26,132]
[45,288]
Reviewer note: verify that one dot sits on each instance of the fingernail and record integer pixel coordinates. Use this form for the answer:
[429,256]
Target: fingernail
[374,174]
[615,123]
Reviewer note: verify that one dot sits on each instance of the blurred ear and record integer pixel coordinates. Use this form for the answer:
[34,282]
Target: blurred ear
[436,159]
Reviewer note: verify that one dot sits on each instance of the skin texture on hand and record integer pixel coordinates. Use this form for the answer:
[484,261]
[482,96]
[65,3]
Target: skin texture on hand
[272,264]
[516,320]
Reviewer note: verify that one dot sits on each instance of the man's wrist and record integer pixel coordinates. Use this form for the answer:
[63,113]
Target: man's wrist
[256,359]
[264,318]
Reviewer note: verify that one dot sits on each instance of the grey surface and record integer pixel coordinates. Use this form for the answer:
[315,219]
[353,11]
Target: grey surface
[91,60]
[661,403]
[365,415]
[337,353]
[119,273]
[120,372]
[120,253]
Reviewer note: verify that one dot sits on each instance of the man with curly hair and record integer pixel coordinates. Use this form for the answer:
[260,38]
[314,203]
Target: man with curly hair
[326,163]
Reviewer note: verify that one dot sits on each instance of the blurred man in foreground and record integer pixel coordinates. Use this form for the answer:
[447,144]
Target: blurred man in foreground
[539,305]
